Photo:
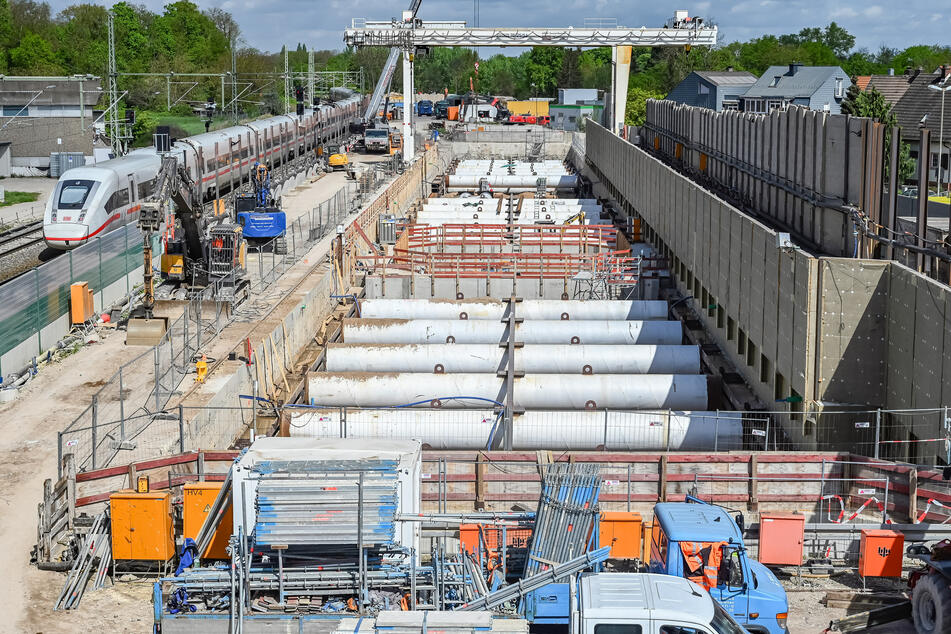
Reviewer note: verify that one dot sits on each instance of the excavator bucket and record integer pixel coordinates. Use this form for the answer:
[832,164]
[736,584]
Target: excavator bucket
[141,331]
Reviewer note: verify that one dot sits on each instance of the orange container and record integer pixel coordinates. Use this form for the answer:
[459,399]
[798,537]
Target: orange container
[781,536]
[142,526]
[80,302]
[452,113]
[881,553]
[197,498]
[622,532]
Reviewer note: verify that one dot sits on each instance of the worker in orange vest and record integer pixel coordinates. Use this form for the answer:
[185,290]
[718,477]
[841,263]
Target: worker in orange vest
[201,369]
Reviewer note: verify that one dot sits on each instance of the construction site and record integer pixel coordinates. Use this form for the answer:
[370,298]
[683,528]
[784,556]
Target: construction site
[535,379]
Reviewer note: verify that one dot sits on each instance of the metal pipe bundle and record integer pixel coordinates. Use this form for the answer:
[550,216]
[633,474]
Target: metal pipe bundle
[611,430]
[529,309]
[567,510]
[538,359]
[532,391]
[539,331]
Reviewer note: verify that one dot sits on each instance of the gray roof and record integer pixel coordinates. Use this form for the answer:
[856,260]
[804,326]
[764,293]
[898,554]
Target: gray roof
[920,100]
[803,83]
[14,91]
[892,87]
[728,77]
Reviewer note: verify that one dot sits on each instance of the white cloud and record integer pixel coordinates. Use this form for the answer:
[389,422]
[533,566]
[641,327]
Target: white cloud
[843,12]
[874,11]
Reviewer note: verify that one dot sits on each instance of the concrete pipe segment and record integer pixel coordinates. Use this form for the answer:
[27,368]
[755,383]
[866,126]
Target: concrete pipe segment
[540,331]
[558,181]
[529,309]
[532,391]
[480,358]
[552,430]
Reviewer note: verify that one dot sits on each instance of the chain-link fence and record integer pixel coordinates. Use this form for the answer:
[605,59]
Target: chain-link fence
[134,399]
[32,306]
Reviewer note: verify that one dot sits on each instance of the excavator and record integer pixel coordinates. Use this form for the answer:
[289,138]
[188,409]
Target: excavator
[202,250]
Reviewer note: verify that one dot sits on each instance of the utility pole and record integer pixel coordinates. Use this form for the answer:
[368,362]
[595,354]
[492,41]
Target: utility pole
[310,76]
[287,85]
[234,82]
[112,121]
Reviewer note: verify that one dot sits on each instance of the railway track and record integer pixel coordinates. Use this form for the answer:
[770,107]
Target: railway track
[19,238]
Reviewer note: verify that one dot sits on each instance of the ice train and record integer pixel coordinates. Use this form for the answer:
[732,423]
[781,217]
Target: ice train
[93,200]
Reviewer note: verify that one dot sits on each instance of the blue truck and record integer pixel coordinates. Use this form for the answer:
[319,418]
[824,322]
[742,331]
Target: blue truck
[703,543]
[424,108]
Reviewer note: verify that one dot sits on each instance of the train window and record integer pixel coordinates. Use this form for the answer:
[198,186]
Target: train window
[119,198]
[74,194]
[210,165]
[145,189]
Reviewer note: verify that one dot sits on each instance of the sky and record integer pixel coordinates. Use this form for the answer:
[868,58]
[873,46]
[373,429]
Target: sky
[268,24]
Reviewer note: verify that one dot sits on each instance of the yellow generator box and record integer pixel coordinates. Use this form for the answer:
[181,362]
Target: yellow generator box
[197,499]
[142,526]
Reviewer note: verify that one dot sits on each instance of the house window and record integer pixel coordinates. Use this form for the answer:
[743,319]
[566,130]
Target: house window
[11,111]
[838,87]
[730,105]
[774,104]
[934,160]
[703,89]
[775,81]
[572,119]
[755,105]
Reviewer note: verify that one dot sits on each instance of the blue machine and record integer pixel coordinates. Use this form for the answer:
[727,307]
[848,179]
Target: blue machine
[260,220]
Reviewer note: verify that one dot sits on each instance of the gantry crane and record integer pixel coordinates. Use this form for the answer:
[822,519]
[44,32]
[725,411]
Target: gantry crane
[410,33]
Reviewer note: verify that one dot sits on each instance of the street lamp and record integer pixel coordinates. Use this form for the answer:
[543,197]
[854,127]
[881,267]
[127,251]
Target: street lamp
[942,90]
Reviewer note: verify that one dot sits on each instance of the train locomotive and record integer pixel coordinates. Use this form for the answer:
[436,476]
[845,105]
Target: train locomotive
[90,201]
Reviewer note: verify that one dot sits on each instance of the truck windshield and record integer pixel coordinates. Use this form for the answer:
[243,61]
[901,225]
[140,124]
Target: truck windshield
[723,623]
[377,134]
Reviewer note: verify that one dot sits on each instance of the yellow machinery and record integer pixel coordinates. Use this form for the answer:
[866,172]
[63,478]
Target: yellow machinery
[142,526]
[337,158]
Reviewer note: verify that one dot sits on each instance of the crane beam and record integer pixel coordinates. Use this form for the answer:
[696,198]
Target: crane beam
[458,34]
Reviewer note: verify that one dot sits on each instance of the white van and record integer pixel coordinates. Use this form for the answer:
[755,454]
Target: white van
[635,603]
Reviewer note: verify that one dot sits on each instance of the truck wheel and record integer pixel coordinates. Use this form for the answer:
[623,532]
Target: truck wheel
[931,605]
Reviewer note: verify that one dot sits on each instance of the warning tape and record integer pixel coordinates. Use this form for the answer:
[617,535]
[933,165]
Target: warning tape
[894,442]
[840,520]
[928,507]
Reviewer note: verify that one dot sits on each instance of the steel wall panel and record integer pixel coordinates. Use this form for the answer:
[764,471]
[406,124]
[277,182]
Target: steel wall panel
[727,292]
[901,337]
[801,348]
[929,353]
[773,322]
[758,300]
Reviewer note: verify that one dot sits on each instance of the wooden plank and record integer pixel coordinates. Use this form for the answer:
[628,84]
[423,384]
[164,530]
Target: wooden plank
[481,483]
[913,494]
[754,469]
[662,479]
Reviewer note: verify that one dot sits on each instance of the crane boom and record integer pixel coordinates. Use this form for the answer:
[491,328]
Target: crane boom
[386,76]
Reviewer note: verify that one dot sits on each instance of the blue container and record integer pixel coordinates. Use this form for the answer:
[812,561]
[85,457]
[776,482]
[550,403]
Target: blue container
[262,224]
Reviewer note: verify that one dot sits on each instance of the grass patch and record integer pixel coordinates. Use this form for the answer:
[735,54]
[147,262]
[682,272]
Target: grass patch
[13,198]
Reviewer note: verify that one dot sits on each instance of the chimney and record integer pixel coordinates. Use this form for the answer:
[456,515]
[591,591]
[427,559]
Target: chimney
[794,67]
[891,72]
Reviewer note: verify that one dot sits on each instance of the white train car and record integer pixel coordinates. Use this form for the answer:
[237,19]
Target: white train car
[90,201]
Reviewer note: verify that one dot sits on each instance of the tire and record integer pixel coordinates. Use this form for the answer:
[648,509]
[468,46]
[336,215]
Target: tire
[931,605]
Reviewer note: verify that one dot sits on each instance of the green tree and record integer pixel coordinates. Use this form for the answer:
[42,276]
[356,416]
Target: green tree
[636,111]
[838,39]
[872,104]
[544,63]
[34,55]
[6,33]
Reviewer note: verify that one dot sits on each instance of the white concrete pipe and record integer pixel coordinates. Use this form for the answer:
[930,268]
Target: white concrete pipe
[487,357]
[529,309]
[563,431]
[532,391]
[540,331]
[558,181]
